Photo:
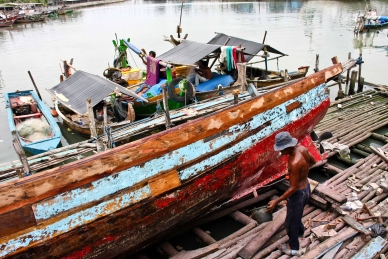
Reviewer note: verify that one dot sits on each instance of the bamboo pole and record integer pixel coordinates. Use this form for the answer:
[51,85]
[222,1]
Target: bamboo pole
[166,109]
[36,88]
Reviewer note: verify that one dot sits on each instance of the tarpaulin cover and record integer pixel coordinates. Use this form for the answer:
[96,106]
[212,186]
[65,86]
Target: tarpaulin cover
[74,91]
[188,52]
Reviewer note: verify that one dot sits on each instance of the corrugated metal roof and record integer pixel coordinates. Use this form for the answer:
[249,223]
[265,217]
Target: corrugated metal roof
[74,91]
[251,47]
[188,52]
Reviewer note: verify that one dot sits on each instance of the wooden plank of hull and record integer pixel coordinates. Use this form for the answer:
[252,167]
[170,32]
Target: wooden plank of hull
[134,226]
[51,182]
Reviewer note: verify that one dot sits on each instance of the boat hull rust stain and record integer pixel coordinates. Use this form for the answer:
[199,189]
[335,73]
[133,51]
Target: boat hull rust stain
[229,172]
[109,195]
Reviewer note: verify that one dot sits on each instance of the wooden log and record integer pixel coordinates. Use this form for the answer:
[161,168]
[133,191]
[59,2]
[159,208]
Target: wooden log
[242,218]
[238,206]
[377,152]
[22,156]
[168,249]
[259,240]
[352,82]
[196,254]
[328,244]
[205,237]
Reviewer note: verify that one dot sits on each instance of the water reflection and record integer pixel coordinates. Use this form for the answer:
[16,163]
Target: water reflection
[365,41]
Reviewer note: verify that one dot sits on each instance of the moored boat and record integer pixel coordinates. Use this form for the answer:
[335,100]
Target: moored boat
[7,20]
[32,120]
[71,95]
[185,56]
[123,199]
[29,18]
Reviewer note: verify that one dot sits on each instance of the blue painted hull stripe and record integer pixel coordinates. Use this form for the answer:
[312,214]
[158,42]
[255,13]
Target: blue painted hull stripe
[73,221]
[127,178]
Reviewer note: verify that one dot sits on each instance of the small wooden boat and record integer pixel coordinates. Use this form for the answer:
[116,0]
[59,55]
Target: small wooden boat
[222,83]
[7,20]
[368,19]
[62,11]
[36,128]
[29,18]
[71,105]
[126,198]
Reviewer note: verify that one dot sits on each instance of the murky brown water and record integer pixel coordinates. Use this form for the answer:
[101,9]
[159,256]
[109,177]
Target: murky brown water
[301,29]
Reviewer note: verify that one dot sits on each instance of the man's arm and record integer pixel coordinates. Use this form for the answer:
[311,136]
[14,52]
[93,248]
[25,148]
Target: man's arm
[294,171]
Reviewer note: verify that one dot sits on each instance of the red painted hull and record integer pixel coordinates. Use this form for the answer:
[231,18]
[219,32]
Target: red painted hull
[250,169]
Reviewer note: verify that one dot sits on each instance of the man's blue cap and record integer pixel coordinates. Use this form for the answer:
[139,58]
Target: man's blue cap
[284,140]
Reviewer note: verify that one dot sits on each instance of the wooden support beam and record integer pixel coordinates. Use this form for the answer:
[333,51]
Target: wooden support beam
[205,237]
[259,240]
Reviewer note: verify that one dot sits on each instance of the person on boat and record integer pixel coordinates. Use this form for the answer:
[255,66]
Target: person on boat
[299,162]
[151,54]
[202,74]
[368,15]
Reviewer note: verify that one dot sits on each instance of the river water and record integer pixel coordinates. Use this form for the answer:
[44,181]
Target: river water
[300,29]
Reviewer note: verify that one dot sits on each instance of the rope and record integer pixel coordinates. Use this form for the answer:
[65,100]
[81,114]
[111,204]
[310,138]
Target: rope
[133,59]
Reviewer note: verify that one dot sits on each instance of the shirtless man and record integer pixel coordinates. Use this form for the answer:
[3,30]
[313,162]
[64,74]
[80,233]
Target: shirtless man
[299,162]
[202,74]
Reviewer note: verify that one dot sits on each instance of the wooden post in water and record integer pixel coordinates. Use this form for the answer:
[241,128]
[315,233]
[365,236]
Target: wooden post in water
[347,75]
[360,84]
[105,110]
[352,82]
[66,68]
[165,105]
[22,156]
[36,88]
[316,69]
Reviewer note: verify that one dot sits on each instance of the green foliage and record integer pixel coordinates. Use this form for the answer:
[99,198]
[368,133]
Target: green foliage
[23,1]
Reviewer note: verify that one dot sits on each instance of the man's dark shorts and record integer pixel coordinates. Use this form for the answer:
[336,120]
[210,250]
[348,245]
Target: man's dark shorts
[293,223]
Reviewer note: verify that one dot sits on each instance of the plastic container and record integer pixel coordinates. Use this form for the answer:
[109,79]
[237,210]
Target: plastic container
[261,215]
[132,76]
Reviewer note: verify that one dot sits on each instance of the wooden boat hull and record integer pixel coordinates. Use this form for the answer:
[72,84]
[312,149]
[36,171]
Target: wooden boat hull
[259,84]
[9,21]
[41,19]
[39,146]
[120,200]
[84,129]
